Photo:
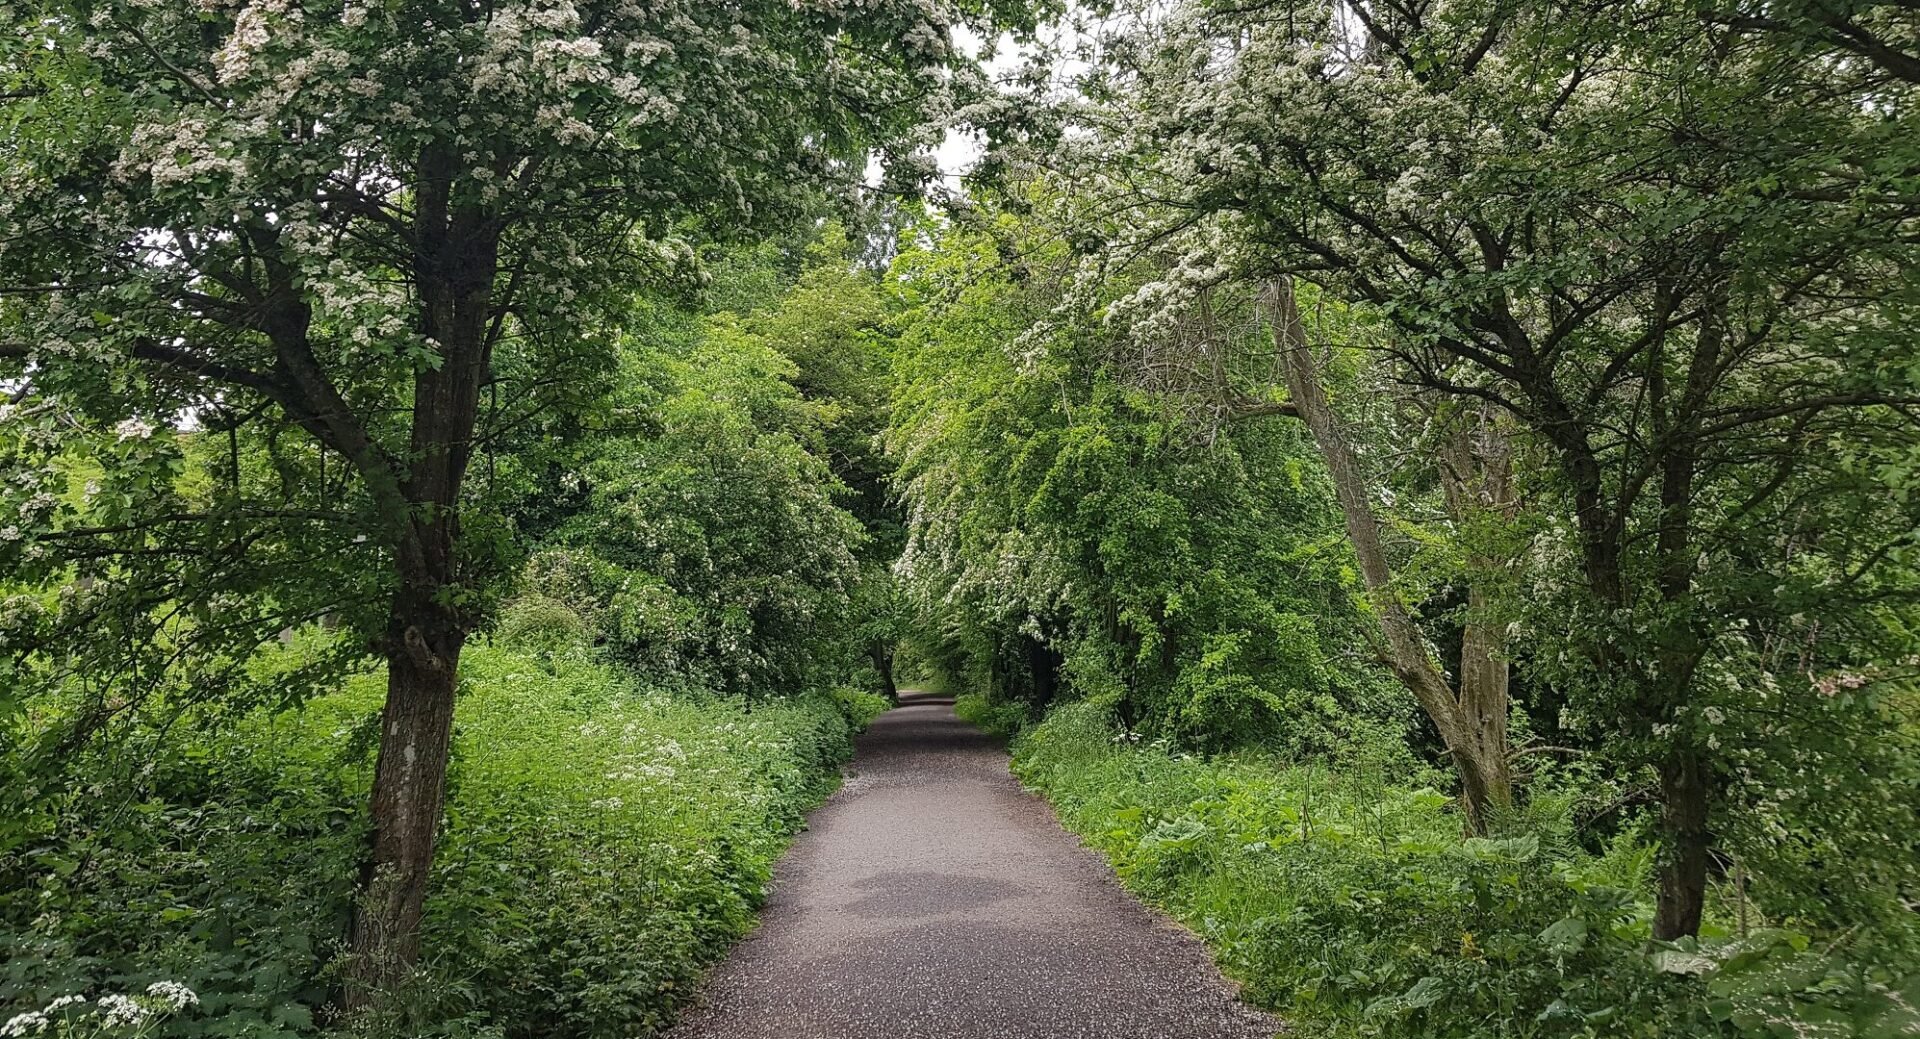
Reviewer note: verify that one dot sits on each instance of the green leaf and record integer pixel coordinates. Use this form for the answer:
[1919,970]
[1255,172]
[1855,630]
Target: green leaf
[1566,936]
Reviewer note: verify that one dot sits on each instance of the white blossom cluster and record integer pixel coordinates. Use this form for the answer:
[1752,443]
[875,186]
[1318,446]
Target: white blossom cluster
[111,1014]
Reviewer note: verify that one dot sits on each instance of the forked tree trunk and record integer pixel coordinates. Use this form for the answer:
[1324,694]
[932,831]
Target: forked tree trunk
[1472,722]
[458,258]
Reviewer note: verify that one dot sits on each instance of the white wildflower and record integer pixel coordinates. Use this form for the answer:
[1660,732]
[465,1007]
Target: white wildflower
[175,995]
[32,1022]
[122,1011]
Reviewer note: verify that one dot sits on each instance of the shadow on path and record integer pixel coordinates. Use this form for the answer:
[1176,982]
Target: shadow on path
[910,698]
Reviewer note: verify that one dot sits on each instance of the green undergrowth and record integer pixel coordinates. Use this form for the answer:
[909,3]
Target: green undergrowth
[1346,899]
[604,844]
[1001,719]
[860,706]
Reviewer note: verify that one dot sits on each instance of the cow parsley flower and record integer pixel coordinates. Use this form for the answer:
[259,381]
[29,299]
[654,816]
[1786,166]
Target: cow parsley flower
[122,1011]
[33,1022]
[175,995]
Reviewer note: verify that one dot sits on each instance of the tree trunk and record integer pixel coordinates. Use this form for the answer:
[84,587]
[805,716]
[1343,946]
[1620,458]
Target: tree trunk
[456,262]
[1043,670]
[409,783]
[1484,680]
[1686,777]
[1473,724]
[1684,798]
[423,647]
[1477,478]
[881,653]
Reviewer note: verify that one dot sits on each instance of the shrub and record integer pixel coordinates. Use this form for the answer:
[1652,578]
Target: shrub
[116,1015]
[542,625]
[604,844]
[612,843]
[220,860]
[860,706]
[1001,719]
[1350,903]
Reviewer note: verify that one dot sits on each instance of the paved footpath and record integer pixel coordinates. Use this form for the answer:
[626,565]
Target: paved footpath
[932,898]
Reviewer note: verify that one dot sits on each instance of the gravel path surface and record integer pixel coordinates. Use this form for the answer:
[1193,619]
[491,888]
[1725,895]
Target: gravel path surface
[932,898]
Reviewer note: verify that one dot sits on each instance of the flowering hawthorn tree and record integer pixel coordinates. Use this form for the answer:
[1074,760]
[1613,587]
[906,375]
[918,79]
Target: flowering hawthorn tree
[350,228]
[1667,244]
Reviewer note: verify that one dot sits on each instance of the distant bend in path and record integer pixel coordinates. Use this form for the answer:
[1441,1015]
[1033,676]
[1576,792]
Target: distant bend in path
[932,898]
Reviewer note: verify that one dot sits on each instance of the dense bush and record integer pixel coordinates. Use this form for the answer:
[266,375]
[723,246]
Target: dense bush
[1001,719]
[1350,902]
[860,706]
[702,542]
[603,845]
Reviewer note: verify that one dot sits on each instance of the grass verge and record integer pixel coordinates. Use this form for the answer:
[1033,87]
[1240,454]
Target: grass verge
[1347,900]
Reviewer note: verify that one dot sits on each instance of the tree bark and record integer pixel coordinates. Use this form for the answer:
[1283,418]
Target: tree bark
[1472,723]
[1043,670]
[1484,703]
[1477,478]
[881,653]
[1684,801]
[456,263]
[1686,778]
[409,785]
